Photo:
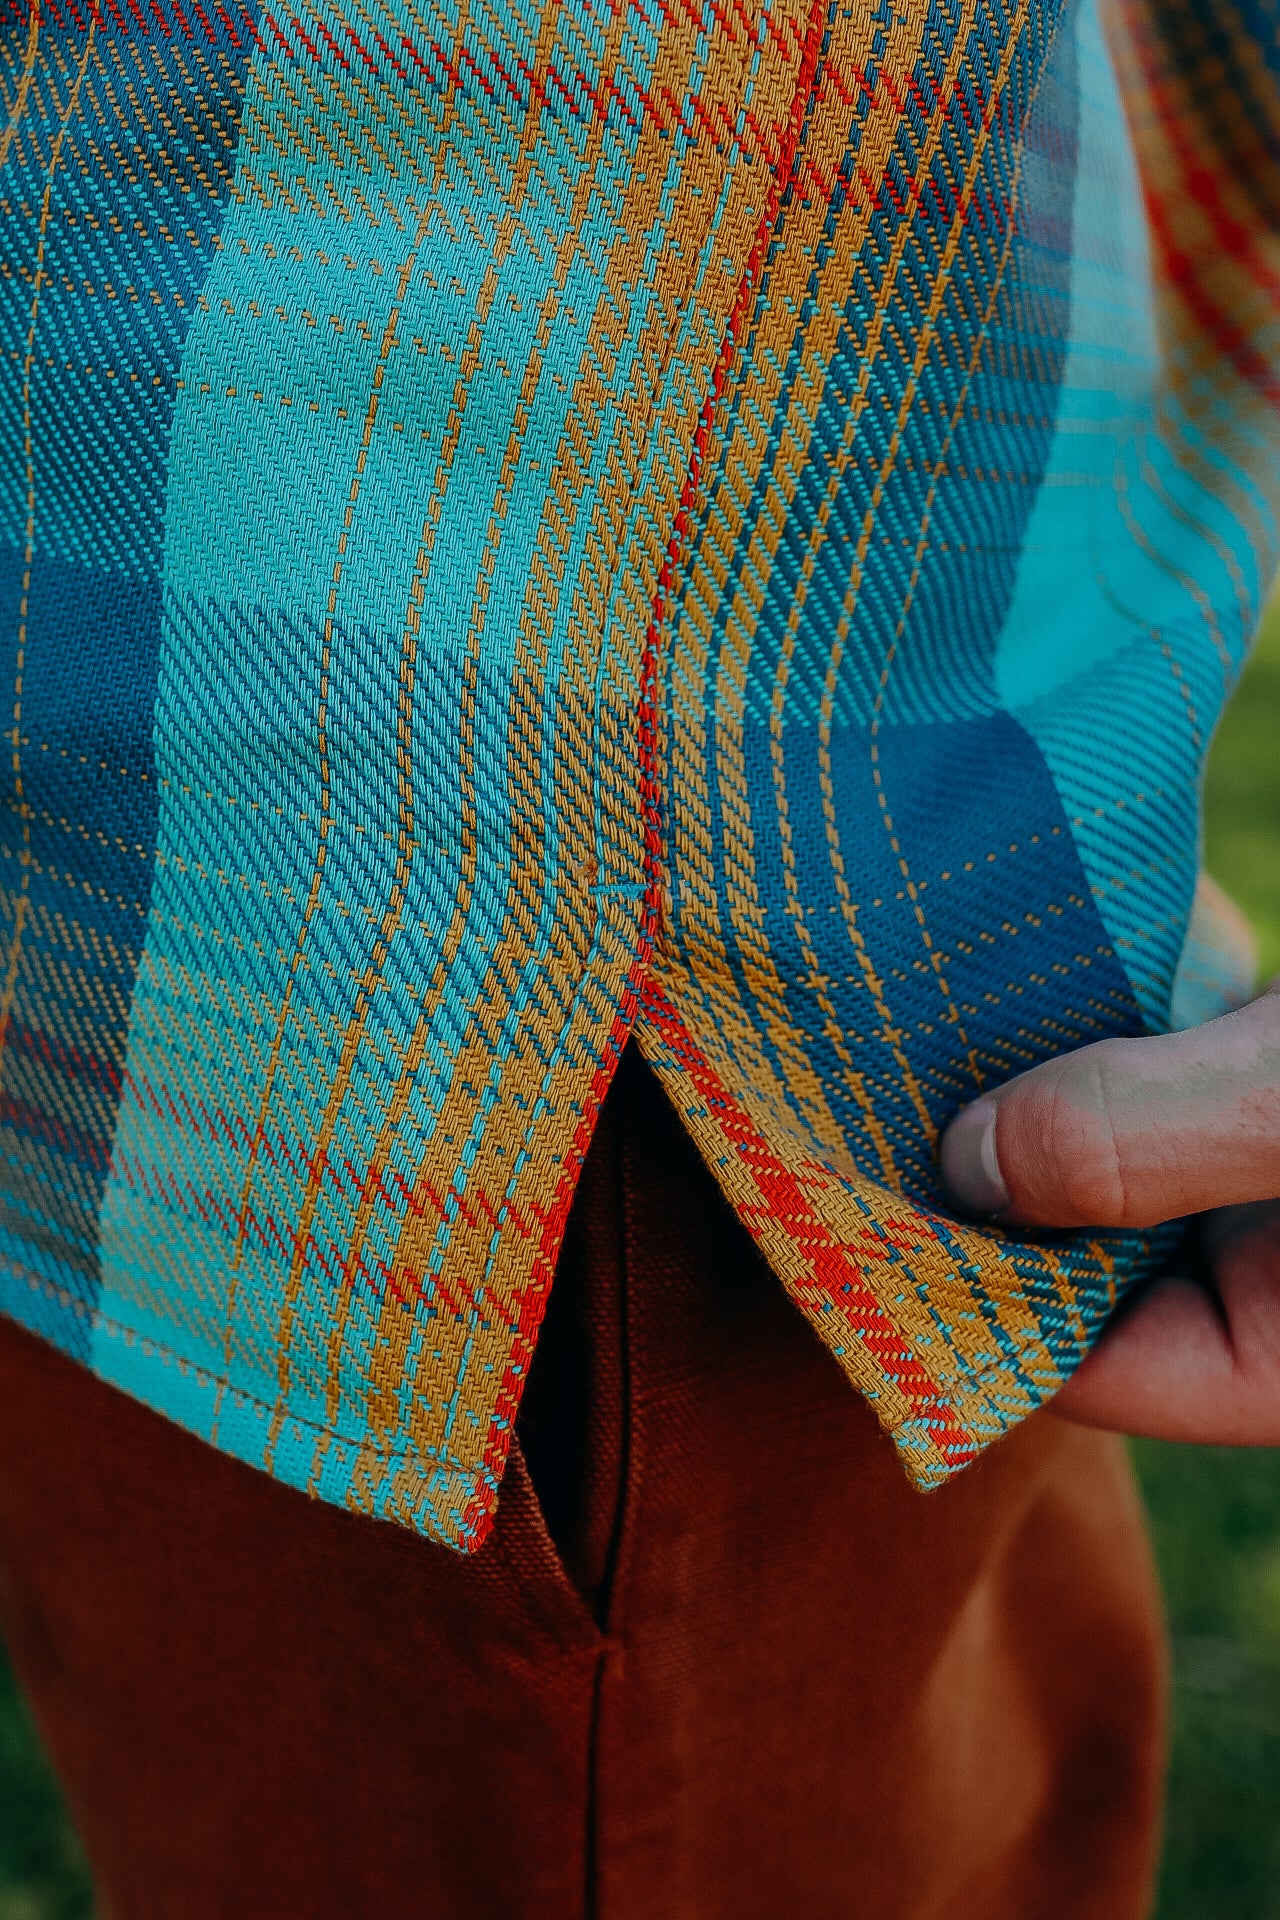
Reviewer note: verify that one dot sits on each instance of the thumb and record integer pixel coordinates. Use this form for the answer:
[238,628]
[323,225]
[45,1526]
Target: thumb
[1128,1132]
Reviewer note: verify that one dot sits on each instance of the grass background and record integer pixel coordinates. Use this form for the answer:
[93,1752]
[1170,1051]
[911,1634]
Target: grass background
[1215,1517]
[1215,1512]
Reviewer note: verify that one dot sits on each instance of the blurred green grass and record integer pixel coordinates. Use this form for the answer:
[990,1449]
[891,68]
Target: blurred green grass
[1242,793]
[1215,1517]
[1215,1512]
[43,1875]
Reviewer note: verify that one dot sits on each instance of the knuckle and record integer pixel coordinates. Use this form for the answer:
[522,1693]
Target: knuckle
[1112,1181]
[1066,1155]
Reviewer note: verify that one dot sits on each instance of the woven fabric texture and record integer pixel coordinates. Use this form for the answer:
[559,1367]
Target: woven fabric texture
[523,527]
[773,1706]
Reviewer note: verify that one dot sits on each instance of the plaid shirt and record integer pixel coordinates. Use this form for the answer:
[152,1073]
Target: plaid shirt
[524,528]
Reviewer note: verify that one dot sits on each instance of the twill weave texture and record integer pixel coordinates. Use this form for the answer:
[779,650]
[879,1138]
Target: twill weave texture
[527,526]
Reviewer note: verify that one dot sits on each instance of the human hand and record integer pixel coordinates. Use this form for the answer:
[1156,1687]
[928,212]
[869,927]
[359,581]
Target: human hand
[1128,1133]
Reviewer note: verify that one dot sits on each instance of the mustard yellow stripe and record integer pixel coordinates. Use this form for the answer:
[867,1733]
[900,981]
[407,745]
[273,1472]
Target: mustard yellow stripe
[65,118]
[923,1289]
[1014,1315]
[469,361]
[25,78]
[924,347]
[389,341]
[490,1184]
[1190,586]
[771,521]
[1210,535]
[709,571]
[918,1325]
[574,927]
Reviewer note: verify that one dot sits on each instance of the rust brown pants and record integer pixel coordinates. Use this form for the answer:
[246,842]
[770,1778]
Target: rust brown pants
[757,1674]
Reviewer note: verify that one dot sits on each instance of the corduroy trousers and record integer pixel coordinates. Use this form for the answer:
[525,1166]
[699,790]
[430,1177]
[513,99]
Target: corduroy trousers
[718,1660]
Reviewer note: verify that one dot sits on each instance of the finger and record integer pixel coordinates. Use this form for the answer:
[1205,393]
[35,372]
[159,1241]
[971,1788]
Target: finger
[1129,1132]
[1188,1364]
